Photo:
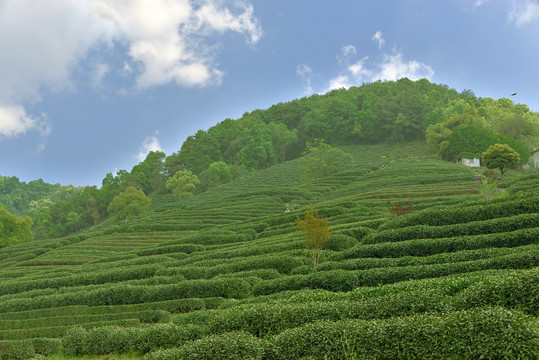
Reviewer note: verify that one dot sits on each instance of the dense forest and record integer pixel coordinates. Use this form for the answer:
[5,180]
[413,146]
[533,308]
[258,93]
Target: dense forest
[454,125]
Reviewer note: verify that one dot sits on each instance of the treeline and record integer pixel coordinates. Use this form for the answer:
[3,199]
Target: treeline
[453,124]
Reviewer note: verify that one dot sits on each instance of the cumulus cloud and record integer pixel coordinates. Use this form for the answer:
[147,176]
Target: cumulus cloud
[15,121]
[389,67]
[379,39]
[151,143]
[44,42]
[394,68]
[524,12]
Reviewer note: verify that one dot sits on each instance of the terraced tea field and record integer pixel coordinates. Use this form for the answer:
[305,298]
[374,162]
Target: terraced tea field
[224,275]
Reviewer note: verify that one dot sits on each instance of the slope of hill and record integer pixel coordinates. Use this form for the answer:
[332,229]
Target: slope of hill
[223,274]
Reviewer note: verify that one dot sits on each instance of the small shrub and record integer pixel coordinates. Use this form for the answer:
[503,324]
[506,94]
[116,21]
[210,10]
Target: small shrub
[228,346]
[315,231]
[339,242]
[399,209]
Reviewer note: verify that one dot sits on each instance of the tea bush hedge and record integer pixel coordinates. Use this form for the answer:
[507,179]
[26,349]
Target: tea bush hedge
[489,333]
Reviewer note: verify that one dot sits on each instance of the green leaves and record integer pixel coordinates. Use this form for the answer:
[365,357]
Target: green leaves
[500,156]
[182,184]
[322,160]
[131,202]
[14,230]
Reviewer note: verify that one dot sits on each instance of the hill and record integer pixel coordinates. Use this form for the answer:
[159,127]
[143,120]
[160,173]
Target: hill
[453,125]
[223,274]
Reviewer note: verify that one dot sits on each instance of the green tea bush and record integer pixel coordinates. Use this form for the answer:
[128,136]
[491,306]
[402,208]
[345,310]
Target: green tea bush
[115,339]
[459,256]
[493,333]
[510,290]
[339,242]
[358,233]
[228,346]
[342,280]
[424,247]
[504,224]
[46,346]
[59,331]
[166,336]
[184,248]
[123,294]
[447,215]
[20,349]
[263,319]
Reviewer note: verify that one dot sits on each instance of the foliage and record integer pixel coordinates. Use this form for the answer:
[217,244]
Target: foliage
[500,156]
[399,209]
[472,334]
[182,184]
[218,173]
[228,346]
[315,232]
[322,160]
[131,202]
[490,175]
[14,230]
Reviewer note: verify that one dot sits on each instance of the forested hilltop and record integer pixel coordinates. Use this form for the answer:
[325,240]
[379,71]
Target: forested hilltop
[454,124]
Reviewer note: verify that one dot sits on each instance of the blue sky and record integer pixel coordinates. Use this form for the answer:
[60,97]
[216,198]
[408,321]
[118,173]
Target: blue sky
[88,87]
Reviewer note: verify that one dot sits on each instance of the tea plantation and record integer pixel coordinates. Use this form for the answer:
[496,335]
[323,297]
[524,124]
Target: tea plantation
[224,275]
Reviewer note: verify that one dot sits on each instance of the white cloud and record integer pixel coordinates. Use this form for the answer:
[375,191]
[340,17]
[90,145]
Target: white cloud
[524,12]
[347,52]
[379,39]
[479,3]
[303,69]
[340,82]
[223,20]
[100,70]
[164,37]
[151,143]
[358,70]
[126,70]
[391,67]
[44,42]
[14,121]
[394,68]
[305,72]
[41,42]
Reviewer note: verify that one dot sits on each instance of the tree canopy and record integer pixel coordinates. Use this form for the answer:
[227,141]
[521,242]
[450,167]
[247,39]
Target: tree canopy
[13,229]
[183,184]
[131,202]
[500,156]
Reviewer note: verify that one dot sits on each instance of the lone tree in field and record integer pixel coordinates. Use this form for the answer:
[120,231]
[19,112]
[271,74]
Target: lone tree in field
[499,156]
[182,184]
[131,202]
[315,230]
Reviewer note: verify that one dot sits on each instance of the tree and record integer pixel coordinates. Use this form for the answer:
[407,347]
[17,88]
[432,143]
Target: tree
[13,229]
[258,152]
[218,173]
[148,174]
[499,156]
[93,210]
[182,184]
[322,160]
[131,202]
[315,231]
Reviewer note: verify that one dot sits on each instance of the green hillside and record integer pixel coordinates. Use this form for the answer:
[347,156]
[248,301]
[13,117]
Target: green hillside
[223,274]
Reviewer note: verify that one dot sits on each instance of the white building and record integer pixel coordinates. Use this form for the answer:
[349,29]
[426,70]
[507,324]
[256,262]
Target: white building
[473,162]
